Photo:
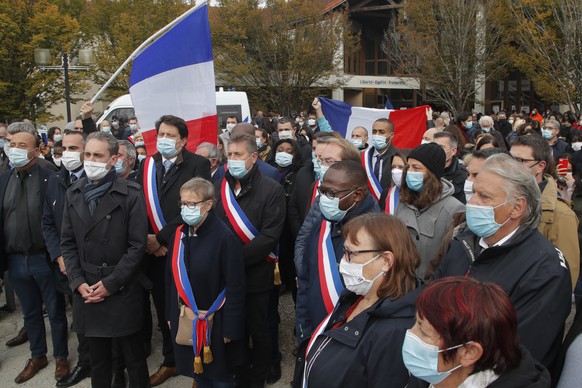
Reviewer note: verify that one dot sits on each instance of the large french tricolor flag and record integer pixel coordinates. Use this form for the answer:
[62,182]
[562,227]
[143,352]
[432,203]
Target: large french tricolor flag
[409,124]
[175,75]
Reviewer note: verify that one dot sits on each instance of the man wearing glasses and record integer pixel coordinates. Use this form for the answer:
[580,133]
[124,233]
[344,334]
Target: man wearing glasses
[559,223]
[550,132]
[343,195]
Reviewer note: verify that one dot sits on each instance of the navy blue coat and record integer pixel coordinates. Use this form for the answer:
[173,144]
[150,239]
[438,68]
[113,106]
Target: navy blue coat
[310,308]
[367,351]
[534,274]
[213,261]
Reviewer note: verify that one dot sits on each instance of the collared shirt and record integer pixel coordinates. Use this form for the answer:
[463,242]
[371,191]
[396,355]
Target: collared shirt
[78,174]
[22,211]
[376,159]
[484,245]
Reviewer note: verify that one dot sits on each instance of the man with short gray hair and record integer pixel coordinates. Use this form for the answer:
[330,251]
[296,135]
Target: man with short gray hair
[126,161]
[502,245]
[550,132]
[455,172]
[22,126]
[212,153]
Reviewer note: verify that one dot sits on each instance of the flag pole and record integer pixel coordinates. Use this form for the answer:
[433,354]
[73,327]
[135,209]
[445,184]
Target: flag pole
[146,43]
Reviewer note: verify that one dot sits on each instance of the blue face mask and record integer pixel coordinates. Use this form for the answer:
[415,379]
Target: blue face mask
[481,219]
[119,167]
[330,207]
[322,170]
[547,134]
[133,127]
[166,147]
[357,143]
[415,180]
[422,359]
[2,143]
[106,129]
[18,157]
[486,129]
[283,159]
[469,124]
[379,142]
[115,124]
[139,144]
[237,168]
[191,216]
[316,167]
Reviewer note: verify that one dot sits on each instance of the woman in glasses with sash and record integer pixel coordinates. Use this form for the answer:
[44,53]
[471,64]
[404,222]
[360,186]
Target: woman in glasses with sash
[359,344]
[206,291]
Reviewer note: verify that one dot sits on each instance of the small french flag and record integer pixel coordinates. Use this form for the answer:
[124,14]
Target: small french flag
[409,124]
[175,75]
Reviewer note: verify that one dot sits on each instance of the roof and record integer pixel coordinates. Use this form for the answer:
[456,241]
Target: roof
[333,4]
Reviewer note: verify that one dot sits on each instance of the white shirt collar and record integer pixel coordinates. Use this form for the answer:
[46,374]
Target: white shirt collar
[484,245]
[173,160]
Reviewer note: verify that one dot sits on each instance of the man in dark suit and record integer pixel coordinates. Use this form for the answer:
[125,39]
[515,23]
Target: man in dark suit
[23,251]
[380,154]
[103,240]
[52,218]
[212,153]
[172,166]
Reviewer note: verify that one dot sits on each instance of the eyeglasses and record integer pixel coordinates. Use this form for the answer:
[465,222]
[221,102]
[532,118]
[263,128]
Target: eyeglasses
[348,254]
[189,205]
[522,161]
[333,194]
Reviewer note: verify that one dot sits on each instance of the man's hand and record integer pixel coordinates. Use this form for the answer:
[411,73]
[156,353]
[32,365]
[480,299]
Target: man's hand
[226,340]
[85,291]
[61,263]
[99,293]
[153,244]
[317,106]
[87,110]
[162,252]
[428,113]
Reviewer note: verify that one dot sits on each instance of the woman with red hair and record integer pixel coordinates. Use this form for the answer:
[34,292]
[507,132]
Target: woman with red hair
[466,336]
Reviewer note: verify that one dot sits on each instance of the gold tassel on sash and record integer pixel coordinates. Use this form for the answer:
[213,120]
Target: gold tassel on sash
[277,274]
[208,355]
[198,365]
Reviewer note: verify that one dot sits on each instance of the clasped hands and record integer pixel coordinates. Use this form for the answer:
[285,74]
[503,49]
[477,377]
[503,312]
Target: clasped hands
[93,294]
[154,247]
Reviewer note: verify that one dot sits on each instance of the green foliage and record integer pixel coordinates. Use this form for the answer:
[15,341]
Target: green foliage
[25,91]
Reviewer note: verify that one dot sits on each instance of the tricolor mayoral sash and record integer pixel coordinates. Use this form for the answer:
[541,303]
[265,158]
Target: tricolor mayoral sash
[392,200]
[242,225]
[151,195]
[202,324]
[329,276]
[319,330]
[373,182]
[314,193]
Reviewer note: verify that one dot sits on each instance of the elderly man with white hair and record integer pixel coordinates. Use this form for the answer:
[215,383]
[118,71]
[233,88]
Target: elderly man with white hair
[487,125]
[502,245]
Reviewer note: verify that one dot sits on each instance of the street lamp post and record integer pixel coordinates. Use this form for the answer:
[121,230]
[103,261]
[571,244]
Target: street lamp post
[42,58]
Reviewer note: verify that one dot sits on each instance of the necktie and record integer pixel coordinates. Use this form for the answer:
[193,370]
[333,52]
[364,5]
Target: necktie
[167,166]
[74,178]
[377,166]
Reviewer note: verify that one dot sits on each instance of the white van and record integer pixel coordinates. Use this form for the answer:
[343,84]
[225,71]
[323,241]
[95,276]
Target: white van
[227,104]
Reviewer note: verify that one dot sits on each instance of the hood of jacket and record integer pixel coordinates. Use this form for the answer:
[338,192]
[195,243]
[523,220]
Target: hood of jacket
[403,307]
[529,373]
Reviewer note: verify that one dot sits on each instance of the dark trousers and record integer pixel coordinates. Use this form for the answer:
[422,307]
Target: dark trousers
[157,274]
[274,321]
[259,334]
[34,283]
[83,344]
[131,347]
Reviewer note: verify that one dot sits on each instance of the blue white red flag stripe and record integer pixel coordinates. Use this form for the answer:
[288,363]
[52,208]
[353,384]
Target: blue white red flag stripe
[239,221]
[392,200]
[318,330]
[175,75]
[373,182]
[329,277]
[409,124]
[153,207]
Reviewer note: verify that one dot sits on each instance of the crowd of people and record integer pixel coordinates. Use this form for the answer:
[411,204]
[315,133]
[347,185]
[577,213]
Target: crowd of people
[452,264]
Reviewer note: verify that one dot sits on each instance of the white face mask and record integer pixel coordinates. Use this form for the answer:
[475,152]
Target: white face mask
[397,176]
[311,122]
[468,189]
[577,146]
[57,161]
[71,160]
[229,127]
[286,135]
[354,278]
[95,170]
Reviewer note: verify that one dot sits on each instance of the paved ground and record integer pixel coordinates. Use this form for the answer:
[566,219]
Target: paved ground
[12,360]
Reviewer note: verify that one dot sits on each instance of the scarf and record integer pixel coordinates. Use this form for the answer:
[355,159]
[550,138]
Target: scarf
[94,192]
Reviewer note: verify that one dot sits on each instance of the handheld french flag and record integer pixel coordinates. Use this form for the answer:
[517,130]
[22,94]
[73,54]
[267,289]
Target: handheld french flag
[409,124]
[175,75]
